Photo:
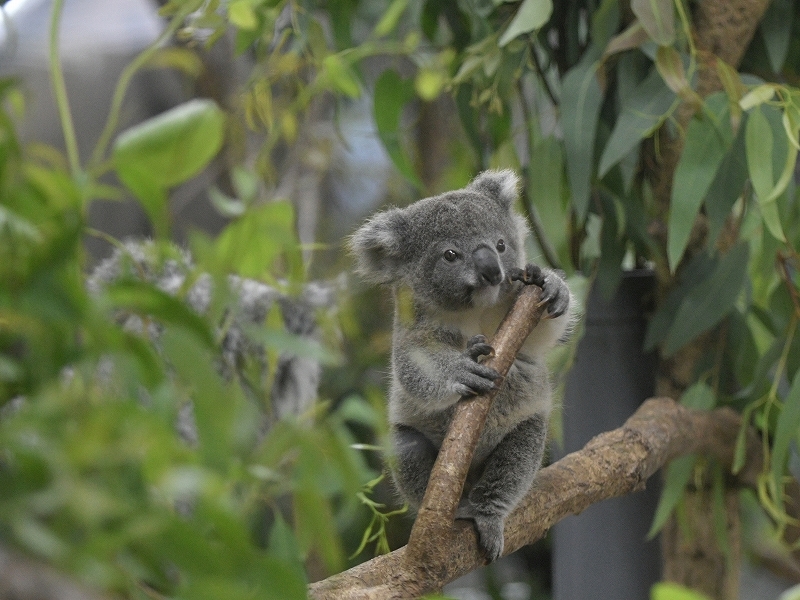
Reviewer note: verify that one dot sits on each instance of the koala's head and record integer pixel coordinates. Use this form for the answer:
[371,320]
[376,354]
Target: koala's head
[453,250]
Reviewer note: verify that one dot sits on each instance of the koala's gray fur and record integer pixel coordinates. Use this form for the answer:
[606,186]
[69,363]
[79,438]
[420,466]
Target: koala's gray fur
[456,263]
[296,378]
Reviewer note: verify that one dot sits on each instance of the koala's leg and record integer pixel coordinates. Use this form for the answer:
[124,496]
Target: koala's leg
[507,476]
[415,455]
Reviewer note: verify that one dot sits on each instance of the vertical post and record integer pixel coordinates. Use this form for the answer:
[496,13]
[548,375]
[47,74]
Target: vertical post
[602,553]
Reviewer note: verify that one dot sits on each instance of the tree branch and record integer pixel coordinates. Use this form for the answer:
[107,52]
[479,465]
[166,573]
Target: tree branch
[612,464]
[438,508]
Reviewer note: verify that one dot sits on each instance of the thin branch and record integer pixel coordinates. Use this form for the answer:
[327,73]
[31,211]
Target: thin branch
[438,508]
[60,91]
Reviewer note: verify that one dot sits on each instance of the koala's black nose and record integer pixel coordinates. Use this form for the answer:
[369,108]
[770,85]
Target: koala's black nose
[487,266]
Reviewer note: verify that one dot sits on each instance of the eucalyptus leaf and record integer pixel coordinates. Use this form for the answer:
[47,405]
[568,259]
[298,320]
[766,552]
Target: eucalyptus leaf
[785,431]
[699,396]
[726,188]
[708,139]
[776,31]
[678,473]
[657,17]
[580,109]
[172,147]
[707,303]
[167,150]
[392,93]
[530,16]
[641,113]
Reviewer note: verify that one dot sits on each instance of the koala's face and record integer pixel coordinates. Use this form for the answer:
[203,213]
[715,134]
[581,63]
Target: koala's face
[463,250]
[453,250]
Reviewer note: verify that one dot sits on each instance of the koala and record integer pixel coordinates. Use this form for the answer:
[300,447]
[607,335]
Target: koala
[456,263]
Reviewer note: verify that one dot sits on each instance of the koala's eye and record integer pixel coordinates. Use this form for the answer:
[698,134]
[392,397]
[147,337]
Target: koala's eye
[501,246]
[450,255]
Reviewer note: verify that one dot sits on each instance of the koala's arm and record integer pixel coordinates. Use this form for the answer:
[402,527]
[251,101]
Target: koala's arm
[432,368]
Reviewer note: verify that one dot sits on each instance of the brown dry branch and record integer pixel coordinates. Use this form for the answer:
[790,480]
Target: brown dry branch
[438,508]
[612,464]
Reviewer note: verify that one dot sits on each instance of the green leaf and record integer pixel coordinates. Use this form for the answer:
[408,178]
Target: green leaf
[776,30]
[726,187]
[633,37]
[785,431]
[605,22]
[679,471]
[531,15]
[699,397]
[708,140]
[167,150]
[390,18]
[657,17]
[641,114]
[580,109]
[546,191]
[670,66]
[392,93]
[242,15]
[757,96]
[666,590]
[759,146]
[173,146]
[707,303]
[340,75]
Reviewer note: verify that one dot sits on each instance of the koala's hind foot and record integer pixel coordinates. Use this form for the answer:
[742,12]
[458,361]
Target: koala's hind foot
[490,529]
[507,476]
[555,293]
[469,376]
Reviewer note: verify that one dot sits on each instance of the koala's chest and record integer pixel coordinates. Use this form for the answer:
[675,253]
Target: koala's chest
[469,323]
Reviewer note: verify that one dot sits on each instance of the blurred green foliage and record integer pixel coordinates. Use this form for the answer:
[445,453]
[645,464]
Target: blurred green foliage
[573,95]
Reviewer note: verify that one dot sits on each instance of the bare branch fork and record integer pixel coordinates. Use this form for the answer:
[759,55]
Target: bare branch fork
[612,464]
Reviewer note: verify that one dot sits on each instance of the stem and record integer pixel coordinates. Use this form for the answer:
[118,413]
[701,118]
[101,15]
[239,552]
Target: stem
[125,79]
[60,92]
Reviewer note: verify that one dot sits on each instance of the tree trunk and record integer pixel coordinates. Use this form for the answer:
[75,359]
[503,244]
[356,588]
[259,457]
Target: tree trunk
[722,30]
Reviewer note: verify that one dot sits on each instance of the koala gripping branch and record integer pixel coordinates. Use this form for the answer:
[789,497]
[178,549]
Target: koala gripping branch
[434,522]
[612,464]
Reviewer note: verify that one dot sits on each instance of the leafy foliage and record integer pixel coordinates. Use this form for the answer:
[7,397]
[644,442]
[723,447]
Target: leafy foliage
[579,97]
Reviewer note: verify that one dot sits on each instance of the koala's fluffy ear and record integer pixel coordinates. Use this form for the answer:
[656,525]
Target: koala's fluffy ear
[379,246]
[502,186]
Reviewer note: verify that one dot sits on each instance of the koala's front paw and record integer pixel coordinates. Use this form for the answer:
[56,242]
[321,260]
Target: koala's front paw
[489,527]
[530,275]
[555,292]
[470,377]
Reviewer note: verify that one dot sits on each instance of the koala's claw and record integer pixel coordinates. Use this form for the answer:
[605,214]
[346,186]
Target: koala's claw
[555,293]
[530,275]
[470,377]
[489,527]
[478,346]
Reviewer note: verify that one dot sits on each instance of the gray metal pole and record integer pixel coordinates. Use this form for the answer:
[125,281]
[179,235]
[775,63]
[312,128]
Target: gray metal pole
[602,553]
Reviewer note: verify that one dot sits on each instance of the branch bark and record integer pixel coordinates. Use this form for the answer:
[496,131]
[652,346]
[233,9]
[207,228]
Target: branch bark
[612,464]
